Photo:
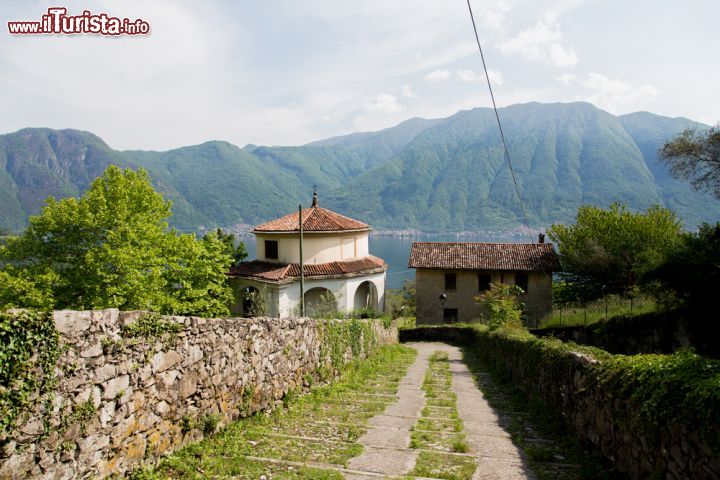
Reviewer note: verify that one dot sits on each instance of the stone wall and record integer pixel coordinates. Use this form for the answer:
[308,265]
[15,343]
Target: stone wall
[602,413]
[121,401]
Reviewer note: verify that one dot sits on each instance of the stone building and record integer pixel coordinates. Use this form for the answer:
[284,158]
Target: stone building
[336,258]
[449,275]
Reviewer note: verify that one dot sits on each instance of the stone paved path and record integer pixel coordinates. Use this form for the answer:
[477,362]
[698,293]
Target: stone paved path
[417,416]
[497,456]
[386,443]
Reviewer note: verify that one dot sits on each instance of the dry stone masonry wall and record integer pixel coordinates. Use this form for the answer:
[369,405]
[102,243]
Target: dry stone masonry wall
[121,401]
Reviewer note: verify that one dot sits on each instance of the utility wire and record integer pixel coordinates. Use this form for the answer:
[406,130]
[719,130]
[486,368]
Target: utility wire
[400,273]
[502,135]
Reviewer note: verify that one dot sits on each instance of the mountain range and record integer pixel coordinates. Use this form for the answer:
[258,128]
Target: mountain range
[433,175]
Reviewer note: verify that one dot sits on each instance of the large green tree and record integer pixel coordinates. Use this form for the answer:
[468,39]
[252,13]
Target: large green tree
[236,250]
[695,156]
[609,251]
[113,248]
[692,271]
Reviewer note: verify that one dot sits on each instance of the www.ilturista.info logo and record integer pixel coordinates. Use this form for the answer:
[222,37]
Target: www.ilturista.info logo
[57,21]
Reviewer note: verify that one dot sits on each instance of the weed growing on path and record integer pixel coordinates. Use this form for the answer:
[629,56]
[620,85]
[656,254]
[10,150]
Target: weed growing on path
[440,432]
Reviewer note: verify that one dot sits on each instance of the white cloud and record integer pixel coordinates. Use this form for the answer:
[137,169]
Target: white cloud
[560,57]
[566,78]
[384,103]
[211,72]
[437,76]
[468,75]
[493,16]
[613,94]
[541,42]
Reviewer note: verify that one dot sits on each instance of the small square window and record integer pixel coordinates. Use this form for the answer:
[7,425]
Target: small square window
[271,249]
[450,281]
[521,280]
[450,315]
[484,282]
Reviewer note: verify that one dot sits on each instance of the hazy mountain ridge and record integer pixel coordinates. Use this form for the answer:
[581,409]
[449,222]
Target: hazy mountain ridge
[444,174]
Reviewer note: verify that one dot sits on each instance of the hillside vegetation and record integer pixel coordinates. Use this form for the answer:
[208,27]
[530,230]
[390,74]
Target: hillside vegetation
[445,174]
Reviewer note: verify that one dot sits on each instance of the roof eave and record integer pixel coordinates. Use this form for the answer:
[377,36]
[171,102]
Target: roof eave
[291,279]
[361,273]
[539,270]
[354,230]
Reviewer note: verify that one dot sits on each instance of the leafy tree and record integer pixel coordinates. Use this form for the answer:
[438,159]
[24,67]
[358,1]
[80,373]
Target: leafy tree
[695,156]
[609,251]
[500,307]
[401,303]
[238,253]
[26,289]
[113,248]
[692,271]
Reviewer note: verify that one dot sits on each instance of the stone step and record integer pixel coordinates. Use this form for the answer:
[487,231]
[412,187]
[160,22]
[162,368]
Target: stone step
[347,472]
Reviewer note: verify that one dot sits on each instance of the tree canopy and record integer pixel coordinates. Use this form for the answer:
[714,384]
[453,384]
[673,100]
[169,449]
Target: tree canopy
[237,252]
[609,251]
[401,302]
[692,271]
[695,156]
[113,248]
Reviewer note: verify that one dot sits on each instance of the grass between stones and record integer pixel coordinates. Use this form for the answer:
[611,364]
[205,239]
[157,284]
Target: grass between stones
[320,428]
[439,432]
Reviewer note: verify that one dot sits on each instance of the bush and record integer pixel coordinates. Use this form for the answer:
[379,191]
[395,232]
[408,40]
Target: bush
[692,271]
[401,303]
[254,303]
[500,306]
[325,307]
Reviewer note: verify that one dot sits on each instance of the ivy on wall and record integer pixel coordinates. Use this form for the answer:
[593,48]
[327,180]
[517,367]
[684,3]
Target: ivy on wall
[340,335]
[29,350]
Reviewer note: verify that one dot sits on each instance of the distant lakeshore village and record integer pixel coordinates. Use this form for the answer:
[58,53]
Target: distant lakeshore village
[337,265]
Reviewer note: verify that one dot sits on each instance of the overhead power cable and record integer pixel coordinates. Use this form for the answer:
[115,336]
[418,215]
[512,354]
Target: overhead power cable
[497,117]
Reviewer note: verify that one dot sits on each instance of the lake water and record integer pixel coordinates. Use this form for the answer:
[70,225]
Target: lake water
[396,250]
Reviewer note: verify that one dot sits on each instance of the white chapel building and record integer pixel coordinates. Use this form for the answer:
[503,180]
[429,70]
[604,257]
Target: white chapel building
[336,260]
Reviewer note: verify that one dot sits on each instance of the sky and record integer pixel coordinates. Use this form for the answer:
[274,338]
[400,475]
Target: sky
[288,72]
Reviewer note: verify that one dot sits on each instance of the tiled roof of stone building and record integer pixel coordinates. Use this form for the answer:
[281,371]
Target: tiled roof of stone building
[533,257]
[287,272]
[315,219]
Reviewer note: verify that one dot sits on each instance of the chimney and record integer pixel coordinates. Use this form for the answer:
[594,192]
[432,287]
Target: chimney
[315,198]
[541,237]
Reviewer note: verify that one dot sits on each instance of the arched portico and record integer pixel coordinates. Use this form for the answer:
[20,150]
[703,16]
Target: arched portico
[250,298]
[320,302]
[366,296]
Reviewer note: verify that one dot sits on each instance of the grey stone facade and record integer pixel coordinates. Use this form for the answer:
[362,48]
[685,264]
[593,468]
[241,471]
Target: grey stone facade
[431,284]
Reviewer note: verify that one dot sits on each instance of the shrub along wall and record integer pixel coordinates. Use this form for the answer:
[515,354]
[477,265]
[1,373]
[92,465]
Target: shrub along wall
[92,393]
[656,332]
[651,415]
